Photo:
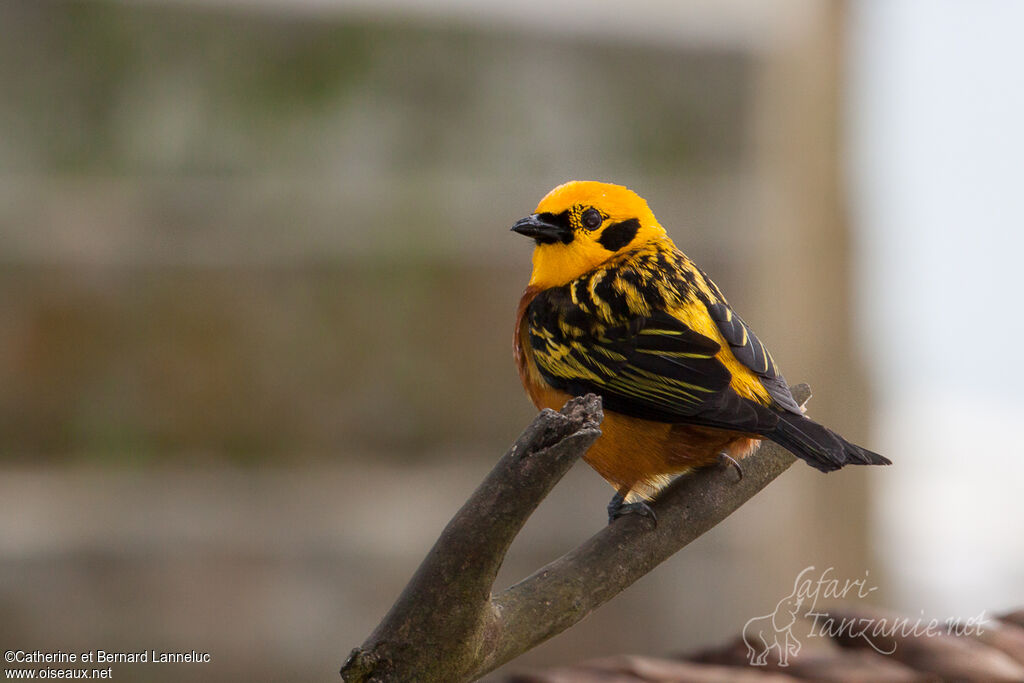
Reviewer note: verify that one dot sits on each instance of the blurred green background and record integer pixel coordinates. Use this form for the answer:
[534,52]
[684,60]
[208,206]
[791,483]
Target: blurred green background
[257,290]
[261,235]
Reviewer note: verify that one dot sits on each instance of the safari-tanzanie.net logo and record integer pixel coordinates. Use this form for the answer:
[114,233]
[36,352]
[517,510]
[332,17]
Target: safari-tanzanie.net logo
[797,616]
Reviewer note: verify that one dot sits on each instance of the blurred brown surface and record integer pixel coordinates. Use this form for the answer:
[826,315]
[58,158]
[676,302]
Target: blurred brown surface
[923,657]
[144,363]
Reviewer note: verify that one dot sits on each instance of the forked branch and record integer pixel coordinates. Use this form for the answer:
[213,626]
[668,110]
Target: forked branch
[446,625]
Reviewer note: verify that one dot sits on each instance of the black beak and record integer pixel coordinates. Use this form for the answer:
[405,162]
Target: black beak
[543,228]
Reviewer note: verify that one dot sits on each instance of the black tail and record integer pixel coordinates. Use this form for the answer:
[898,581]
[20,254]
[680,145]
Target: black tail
[819,446]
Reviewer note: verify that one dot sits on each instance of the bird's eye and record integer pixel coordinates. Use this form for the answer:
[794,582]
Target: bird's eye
[591,219]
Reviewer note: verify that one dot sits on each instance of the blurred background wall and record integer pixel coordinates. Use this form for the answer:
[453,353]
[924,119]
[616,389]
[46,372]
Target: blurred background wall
[258,286]
[935,163]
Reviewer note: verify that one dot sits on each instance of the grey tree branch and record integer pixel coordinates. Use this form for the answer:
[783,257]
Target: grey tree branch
[446,625]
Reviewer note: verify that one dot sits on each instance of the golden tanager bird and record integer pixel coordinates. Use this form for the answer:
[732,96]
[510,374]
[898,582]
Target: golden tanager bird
[615,309]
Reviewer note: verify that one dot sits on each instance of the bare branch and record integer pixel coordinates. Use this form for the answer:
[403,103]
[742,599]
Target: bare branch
[566,590]
[447,627]
[437,628]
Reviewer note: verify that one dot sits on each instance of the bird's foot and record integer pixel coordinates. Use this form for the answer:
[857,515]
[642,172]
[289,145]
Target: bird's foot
[727,460]
[619,507]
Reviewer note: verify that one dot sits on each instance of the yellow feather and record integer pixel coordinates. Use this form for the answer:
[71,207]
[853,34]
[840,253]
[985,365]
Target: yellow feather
[695,316]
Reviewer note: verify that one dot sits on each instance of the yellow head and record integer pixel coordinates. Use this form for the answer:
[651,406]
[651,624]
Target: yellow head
[580,225]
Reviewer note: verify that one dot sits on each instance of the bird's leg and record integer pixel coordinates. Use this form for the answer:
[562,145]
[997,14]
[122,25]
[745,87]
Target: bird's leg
[615,505]
[727,460]
[618,507]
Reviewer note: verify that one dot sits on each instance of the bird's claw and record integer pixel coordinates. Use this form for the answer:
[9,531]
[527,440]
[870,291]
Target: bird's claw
[727,460]
[618,507]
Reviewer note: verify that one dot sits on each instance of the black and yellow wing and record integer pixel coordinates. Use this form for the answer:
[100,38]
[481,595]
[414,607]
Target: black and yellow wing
[748,350]
[651,366]
[656,367]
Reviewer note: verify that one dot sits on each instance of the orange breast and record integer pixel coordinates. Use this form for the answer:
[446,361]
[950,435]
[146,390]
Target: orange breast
[632,453]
